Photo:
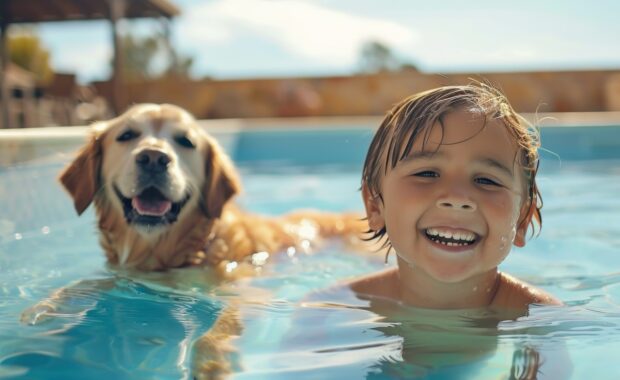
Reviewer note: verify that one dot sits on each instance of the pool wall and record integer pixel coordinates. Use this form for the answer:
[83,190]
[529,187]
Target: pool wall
[582,136]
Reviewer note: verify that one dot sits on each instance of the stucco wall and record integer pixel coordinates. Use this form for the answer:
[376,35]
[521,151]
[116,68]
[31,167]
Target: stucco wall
[567,91]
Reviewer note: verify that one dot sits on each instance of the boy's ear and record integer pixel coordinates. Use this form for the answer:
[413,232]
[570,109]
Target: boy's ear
[525,217]
[374,209]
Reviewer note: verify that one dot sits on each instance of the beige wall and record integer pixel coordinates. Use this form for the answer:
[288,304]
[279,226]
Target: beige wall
[567,91]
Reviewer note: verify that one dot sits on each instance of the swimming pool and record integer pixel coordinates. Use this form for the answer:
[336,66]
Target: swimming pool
[138,331]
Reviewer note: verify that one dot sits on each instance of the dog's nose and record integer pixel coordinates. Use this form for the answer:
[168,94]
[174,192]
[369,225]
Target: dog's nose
[152,160]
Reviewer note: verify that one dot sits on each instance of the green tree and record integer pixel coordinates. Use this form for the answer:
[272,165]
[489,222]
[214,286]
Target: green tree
[376,56]
[180,65]
[26,50]
[142,58]
[138,55]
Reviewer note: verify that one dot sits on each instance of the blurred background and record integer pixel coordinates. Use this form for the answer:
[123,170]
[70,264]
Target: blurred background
[71,62]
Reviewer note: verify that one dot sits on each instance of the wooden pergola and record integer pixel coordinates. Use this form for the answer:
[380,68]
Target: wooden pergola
[37,11]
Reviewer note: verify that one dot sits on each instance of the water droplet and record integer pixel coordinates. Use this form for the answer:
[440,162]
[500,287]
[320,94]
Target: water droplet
[260,258]
[504,241]
[305,245]
[290,251]
[231,266]
[513,233]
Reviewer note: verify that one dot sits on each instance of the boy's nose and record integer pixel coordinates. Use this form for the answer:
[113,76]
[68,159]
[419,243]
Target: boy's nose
[456,204]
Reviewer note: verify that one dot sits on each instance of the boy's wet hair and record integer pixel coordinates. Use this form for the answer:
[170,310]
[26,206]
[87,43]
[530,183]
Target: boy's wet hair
[413,119]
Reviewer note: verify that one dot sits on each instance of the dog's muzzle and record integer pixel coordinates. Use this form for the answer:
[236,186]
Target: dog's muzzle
[150,207]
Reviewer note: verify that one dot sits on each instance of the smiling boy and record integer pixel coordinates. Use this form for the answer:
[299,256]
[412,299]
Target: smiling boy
[449,184]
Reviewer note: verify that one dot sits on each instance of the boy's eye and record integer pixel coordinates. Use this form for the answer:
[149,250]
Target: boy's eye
[129,134]
[426,174]
[486,181]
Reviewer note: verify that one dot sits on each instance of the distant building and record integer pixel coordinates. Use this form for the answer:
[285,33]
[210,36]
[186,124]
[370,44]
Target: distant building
[62,103]
[20,94]
[27,12]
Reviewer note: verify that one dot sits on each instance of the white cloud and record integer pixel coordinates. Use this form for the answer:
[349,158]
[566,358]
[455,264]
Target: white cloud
[306,29]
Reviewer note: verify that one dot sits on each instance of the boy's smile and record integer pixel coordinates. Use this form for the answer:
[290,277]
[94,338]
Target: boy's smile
[455,240]
[451,208]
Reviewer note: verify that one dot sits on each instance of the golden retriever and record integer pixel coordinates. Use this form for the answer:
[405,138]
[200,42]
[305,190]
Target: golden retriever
[162,188]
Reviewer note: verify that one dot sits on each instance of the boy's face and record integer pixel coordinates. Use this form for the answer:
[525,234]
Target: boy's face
[452,210]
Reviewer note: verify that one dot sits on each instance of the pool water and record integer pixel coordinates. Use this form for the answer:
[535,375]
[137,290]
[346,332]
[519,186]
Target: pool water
[123,327]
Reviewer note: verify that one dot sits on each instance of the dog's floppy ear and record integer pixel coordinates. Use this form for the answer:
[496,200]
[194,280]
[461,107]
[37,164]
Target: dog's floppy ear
[221,181]
[81,176]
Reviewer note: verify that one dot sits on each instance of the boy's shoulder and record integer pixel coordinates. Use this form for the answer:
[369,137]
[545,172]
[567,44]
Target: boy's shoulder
[383,284]
[514,293]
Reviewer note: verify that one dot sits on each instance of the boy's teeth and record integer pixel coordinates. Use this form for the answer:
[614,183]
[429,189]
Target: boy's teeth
[449,238]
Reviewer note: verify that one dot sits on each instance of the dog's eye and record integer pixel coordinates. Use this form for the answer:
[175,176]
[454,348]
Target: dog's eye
[129,134]
[184,141]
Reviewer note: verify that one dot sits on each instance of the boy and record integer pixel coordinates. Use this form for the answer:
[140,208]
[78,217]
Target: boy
[449,184]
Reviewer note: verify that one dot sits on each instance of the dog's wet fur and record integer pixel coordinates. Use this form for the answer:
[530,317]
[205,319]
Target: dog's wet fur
[162,189]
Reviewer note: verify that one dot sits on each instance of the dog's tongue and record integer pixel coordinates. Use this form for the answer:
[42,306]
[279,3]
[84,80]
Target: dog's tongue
[152,207]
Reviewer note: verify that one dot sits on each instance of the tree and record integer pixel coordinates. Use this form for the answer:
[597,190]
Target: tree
[26,50]
[180,66]
[151,57]
[138,55]
[376,57]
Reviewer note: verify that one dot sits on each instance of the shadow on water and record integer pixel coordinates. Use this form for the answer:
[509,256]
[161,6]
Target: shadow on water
[112,328]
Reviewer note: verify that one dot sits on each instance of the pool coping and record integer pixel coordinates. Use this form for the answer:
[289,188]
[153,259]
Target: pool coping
[544,120]
[20,145]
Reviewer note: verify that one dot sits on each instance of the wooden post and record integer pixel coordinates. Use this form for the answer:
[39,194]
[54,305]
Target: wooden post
[117,12]
[4,60]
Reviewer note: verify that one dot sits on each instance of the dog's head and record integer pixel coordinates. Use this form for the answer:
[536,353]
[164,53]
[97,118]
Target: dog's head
[152,164]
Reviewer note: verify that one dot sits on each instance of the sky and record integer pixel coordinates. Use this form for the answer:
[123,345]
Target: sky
[282,38]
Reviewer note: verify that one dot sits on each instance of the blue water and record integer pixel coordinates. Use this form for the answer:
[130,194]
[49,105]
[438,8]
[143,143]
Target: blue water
[120,326]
